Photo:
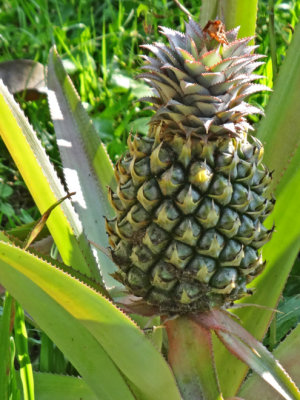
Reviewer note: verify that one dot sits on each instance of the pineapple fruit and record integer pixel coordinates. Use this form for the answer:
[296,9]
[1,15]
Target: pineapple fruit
[192,195]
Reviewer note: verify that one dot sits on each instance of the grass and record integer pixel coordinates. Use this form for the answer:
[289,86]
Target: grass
[99,44]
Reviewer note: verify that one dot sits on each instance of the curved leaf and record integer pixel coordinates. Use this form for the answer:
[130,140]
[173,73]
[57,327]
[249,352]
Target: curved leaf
[20,75]
[74,309]
[79,346]
[87,168]
[44,185]
[244,346]
[240,13]
[288,353]
[280,129]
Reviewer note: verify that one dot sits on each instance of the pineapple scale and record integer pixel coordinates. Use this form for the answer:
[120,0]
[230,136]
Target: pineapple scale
[189,227]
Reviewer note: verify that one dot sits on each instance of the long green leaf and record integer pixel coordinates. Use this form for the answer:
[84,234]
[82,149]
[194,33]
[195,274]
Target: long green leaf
[5,332]
[14,387]
[244,346]
[81,348]
[209,11]
[288,353]
[21,340]
[267,369]
[75,309]
[61,387]
[87,168]
[44,185]
[240,13]
[280,129]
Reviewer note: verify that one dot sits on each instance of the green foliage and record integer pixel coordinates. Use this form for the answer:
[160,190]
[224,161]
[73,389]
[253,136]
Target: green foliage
[21,341]
[287,355]
[99,45]
[92,332]
[59,387]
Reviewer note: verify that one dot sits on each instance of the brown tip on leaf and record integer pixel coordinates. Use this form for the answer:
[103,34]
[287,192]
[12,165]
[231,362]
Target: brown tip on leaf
[216,30]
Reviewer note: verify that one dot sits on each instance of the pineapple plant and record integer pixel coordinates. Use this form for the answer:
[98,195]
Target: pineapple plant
[193,155]
[192,195]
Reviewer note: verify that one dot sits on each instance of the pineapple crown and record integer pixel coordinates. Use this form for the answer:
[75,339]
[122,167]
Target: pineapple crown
[201,79]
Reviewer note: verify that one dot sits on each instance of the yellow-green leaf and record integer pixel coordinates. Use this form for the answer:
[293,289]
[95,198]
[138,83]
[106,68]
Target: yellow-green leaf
[80,320]
[61,387]
[44,185]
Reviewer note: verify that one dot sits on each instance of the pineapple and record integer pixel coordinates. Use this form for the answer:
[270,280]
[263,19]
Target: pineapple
[192,195]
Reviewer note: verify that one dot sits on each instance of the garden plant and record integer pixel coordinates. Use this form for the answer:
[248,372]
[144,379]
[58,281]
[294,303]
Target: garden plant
[159,277]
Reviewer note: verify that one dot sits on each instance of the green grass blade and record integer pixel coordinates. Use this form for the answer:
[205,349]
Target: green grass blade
[103,53]
[87,168]
[22,353]
[44,185]
[75,309]
[46,353]
[272,36]
[14,387]
[60,387]
[5,332]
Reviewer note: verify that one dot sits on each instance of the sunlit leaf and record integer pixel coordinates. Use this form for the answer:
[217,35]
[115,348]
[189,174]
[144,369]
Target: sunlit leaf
[288,354]
[44,185]
[87,328]
[87,168]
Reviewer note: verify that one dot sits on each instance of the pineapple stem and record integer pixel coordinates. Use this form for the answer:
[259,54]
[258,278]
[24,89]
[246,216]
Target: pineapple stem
[191,358]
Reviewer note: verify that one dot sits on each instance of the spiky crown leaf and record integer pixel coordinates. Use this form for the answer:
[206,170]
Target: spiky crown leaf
[200,83]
